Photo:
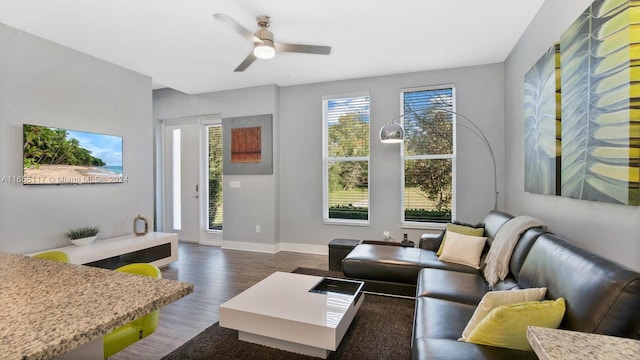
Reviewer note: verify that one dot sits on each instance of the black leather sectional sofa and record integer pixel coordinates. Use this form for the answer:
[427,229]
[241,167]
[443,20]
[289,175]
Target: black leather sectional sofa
[601,296]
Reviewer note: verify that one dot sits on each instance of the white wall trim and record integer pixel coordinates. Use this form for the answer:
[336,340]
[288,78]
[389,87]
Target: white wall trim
[250,246]
[269,248]
[209,242]
[305,248]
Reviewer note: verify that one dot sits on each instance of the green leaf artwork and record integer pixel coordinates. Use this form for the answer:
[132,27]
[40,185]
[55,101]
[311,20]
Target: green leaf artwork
[600,75]
[542,125]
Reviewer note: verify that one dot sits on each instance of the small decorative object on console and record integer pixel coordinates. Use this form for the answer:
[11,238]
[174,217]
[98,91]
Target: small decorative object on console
[83,235]
[140,225]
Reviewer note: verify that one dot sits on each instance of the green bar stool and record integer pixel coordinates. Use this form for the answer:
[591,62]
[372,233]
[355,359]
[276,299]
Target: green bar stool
[139,328]
[59,256]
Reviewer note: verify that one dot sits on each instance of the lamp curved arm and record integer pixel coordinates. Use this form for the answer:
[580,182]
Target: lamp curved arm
[480,134]
[475,130]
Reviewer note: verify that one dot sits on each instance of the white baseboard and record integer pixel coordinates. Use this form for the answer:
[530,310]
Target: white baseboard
[250,246]
[188,241]
[211,242]
[305,248]
[269,248]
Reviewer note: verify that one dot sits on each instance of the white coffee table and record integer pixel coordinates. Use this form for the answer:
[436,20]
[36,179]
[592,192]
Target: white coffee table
[280,312]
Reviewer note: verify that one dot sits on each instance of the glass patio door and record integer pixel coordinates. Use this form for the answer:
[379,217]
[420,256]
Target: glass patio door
[192,177]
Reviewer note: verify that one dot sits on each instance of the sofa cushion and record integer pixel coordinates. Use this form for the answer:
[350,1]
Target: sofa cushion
[506,325]
[437,325]
[458,229]
[383,263]
[393,263]
[601,296]
[437,241]
[431,241]
[440,319]
[450,285]
[463,249]
[522,249]
[493,222]
[493,299]
[429,259]
[448,349]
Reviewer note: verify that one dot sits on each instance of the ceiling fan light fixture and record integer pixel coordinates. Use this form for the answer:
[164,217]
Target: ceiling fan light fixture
[263,45]
[264,51]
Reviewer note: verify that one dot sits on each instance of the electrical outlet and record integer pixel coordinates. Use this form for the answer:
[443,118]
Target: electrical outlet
[386,236]
[257,228]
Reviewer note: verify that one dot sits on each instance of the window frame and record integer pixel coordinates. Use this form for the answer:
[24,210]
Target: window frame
[452,156]
[326,161]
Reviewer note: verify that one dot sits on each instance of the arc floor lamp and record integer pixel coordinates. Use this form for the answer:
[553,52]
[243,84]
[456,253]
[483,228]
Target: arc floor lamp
[392,132]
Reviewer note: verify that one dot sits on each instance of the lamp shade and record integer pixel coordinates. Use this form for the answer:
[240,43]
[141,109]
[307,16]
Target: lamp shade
[264,51]
[391,133]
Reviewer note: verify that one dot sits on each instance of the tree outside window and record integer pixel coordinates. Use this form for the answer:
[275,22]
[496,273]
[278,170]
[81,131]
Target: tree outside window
[215,177]
[428,155]
[346,158]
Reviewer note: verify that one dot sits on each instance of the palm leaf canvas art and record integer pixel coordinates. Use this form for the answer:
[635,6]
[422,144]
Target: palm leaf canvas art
[542,125]
[600,75]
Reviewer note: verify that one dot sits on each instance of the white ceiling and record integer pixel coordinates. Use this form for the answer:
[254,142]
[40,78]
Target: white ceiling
[179,45]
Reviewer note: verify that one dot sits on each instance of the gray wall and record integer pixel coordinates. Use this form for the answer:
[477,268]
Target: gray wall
[609,230]
[288,205]
[48,84]
[479,95]
[43,83]
[255,203]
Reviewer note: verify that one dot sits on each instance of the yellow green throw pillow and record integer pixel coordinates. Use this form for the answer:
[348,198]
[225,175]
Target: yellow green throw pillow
[493,299]
[460,229]
[506,325]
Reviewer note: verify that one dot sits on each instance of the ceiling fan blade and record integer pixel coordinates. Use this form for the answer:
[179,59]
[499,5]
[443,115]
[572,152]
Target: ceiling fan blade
[246,62]
[307,49]
[237,27]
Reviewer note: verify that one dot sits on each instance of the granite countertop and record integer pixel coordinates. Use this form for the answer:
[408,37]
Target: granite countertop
[49,308]
[563,344]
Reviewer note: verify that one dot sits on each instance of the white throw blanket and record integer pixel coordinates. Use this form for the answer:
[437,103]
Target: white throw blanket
[499,255]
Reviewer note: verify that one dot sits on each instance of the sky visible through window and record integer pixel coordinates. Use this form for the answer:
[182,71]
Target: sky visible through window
[354,105]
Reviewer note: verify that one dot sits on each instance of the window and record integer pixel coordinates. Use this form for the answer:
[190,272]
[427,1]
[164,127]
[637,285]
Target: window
[215,177]
[346,159]
[176,156]
[428,155]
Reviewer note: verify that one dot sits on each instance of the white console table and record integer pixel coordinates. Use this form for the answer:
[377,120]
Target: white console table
[159,249]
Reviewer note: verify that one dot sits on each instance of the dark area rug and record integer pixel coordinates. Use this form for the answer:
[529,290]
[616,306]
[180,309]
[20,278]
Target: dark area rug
[380,330]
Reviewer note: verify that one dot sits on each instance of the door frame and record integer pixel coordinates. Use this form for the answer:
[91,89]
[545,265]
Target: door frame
[205,236]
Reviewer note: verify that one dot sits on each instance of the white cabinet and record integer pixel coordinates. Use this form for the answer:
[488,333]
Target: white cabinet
[157,248]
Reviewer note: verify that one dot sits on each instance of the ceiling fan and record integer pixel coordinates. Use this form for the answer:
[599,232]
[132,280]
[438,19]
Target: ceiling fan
[263,45]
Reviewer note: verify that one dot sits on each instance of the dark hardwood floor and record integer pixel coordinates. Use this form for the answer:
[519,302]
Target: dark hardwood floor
[217,276]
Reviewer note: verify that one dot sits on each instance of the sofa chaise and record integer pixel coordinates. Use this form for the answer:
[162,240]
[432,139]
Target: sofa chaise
[600,296]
